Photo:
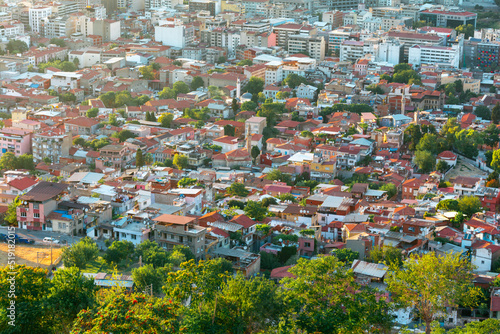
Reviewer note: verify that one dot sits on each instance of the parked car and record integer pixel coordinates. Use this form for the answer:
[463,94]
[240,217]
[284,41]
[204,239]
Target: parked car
[50,240]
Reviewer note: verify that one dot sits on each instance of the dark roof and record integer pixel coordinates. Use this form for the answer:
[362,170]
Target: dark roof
[44,191]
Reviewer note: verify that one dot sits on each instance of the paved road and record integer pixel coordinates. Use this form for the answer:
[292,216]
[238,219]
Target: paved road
[39,235]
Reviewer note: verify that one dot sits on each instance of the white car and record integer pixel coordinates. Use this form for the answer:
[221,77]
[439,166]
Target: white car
[50,240]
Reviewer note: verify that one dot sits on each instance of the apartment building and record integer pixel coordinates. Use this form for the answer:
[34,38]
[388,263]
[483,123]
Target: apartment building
[172,230]
[451,19]
[284,31]
[353,50]
[53,144]
[109,30]
[175,35]
[335,18]
[17,141]
[410,38]
[36,14]
[314,46]
[439,55]
[116,156]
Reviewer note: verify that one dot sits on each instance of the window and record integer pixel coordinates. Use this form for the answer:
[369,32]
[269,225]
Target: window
[124,235]
[36,215]
[134,237]
[23,213]
[307,244]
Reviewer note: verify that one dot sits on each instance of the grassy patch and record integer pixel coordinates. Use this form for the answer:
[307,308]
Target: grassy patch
[99,265]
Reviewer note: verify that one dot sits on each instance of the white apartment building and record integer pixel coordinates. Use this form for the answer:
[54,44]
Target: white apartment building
[36,14]
[372,24]
[390,51]
[86,58]
[315,46]
[354,50]
[441,55]
[65,79]
[174,35]
[336,37]
[11,30]
[274,72]
[54,143]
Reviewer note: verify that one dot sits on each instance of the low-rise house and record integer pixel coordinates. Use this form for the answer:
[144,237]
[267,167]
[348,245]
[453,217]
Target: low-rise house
[37,204]
[172,230]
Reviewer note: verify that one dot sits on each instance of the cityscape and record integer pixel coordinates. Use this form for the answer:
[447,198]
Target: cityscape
[250,166]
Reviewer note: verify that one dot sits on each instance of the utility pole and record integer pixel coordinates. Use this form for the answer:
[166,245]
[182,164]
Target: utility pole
[51,242]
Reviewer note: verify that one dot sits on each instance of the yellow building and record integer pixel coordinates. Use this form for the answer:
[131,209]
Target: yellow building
[231,6]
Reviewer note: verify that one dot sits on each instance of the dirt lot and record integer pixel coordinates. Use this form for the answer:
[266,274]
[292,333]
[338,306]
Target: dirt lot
[26,254]
[464,168]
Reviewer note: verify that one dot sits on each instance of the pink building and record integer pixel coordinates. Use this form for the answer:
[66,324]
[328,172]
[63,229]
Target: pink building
[306,246]
[37,204]
[17,141]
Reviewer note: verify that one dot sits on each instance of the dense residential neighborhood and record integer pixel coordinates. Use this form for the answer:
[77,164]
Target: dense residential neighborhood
[250,166]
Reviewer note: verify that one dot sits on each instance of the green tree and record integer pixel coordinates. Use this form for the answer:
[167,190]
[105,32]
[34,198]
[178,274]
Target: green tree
[139,158]
[277,175]
[31,286]
[495,114]
[268,201]
[118,251]
[70,292]
[58,41]
[180,161]
[237,189]
[120,312]
[491,135]
[412,136]
[167,93]
[180,88]
[442,166]
[186,182]
[242,306]
[255,153]
[390,188]
[255,210]
[488,326]
[149,276]
[495,162]
[390,256]
[432,143]
[424,160]
[200,281]
[8,161]
[483,112]
[166,120]
[79,254]
[244,62]
[469,205]
[235,106]
[16,46]
[11,214]
[282,95]
[249,105]
[468,30]
[123,135]
[287,197]
[294,80]
[320,299]
[345,255]
[197,83]
[254,86]
[229,130]
[430,283]
[152,253]
[92,112]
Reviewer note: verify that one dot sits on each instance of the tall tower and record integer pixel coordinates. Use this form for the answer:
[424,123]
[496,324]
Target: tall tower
[238,89]
[403,103]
